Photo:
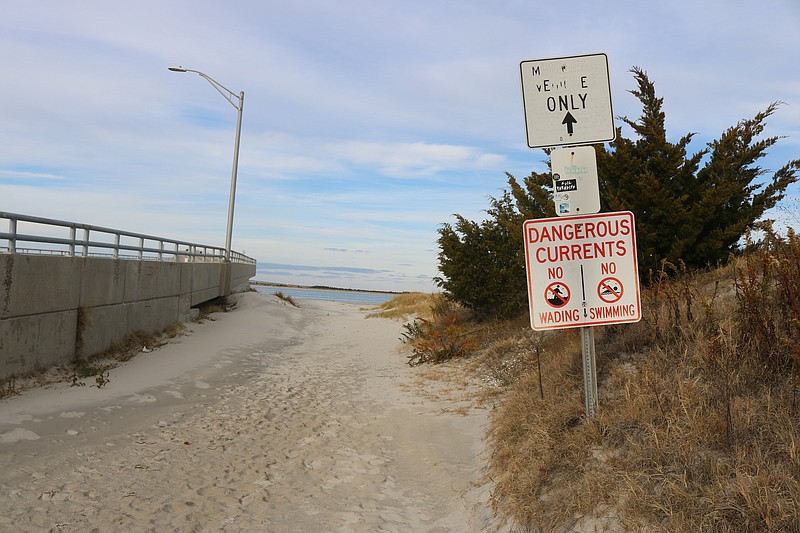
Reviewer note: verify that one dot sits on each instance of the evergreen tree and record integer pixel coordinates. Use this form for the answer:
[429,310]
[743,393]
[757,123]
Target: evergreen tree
[483,264]
[684,212]
[728,198]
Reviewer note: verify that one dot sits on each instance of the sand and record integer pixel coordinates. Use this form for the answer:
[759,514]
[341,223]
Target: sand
[268,418]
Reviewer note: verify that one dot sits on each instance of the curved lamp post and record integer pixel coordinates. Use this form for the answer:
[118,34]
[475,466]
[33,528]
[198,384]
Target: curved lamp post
[237,101]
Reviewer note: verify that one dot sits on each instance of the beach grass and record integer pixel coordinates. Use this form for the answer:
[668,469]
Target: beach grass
[699,416]
[410,304]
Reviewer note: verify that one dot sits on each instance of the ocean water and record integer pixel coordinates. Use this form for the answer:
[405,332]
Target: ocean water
[331,295]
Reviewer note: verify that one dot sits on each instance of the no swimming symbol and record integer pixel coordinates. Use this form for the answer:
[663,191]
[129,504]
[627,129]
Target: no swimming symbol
[610,290]
[557,295]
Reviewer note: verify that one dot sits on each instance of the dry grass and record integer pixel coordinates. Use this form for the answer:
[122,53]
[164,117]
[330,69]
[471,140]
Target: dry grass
[699,423]
[542,447]
[286,298]
[408,305]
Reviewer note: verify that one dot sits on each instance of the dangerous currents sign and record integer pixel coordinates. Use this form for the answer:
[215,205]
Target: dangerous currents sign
[582,270]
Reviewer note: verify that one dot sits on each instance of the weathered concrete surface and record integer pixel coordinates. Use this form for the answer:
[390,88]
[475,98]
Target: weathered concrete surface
[56,309]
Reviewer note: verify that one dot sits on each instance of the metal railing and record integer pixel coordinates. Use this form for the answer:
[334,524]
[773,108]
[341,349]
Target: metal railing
[37,235]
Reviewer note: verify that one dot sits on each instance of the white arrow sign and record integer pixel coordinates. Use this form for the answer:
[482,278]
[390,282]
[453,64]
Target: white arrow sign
[567,101]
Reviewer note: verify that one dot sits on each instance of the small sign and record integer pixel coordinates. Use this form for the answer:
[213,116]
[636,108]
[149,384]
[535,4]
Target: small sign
[562,185]
[575,186]
[582,270]
[567,101]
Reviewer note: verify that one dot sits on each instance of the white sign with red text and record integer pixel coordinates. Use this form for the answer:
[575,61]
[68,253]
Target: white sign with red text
[582,270]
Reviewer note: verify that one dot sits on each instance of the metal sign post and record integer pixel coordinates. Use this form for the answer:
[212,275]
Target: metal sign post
[576,191]
[582,272]
[591,401]
[582,268]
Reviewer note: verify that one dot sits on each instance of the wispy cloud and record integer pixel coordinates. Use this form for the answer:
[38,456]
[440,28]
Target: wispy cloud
[19,175]
[346,250]
[411,160]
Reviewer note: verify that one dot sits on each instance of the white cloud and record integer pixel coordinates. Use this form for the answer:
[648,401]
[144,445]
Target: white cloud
[415,159]
[29,175]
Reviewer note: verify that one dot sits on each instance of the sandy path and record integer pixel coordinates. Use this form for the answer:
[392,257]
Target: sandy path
[270,418]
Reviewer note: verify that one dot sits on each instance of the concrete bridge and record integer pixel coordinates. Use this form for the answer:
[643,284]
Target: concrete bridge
[69,291]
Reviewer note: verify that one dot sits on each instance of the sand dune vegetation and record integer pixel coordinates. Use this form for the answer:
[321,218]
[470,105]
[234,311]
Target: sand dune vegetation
[699,424]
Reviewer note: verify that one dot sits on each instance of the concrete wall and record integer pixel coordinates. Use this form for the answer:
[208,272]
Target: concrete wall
[54,310]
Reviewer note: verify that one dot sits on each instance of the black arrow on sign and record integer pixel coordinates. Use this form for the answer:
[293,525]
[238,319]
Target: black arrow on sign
[569,120]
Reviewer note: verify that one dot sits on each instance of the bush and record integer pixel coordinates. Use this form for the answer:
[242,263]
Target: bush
[436,342]
[286,298]
[442,338]
[768,303]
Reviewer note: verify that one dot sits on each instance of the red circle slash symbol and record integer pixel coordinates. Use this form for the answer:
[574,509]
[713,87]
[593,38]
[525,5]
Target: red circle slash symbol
[557,294]
[610,290]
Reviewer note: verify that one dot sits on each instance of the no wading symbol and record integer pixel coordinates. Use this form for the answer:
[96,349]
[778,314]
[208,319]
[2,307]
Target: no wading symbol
[610,290]
[557,295]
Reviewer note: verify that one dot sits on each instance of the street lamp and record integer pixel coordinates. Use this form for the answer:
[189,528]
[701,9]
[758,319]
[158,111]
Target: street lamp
[237,101]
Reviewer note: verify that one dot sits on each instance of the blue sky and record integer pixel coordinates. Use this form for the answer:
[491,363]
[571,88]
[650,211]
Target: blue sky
[367,123]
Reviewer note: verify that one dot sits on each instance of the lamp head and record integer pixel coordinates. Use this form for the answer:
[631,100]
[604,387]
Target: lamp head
[176,69]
